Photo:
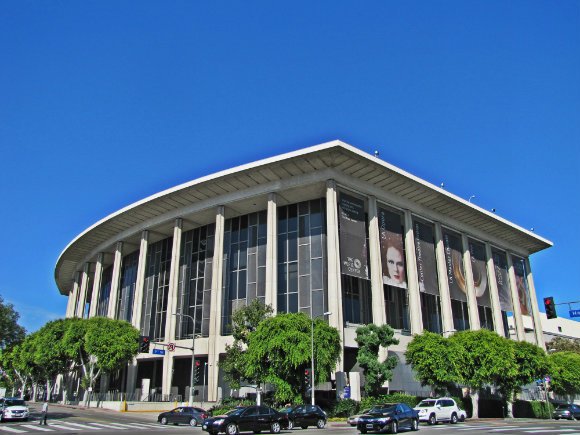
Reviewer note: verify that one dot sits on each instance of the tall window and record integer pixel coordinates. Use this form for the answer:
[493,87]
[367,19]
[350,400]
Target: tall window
[302,258]
[127,290]
[456,279]
[105,291]
[194,288]
[427,274]
[244,263]
[156,288]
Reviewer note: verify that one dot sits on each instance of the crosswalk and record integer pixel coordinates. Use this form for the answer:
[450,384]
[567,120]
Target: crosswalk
[507,429]
[91,426]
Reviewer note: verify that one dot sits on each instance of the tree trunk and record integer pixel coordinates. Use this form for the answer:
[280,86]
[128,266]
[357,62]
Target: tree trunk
[474,394]
[34,390]
[509,408]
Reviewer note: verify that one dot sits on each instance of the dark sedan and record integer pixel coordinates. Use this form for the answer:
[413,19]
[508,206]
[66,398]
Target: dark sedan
[569,411]
[389,417]
[305,415]
[184,415]
[247,419]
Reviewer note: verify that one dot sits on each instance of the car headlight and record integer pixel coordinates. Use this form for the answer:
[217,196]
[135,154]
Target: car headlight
[422,411]
[384,420]
[219,421]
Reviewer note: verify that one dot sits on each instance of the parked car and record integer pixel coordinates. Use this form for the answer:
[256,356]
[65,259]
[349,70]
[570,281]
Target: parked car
[183,415]
[249,418]
[570,411]
[433,411]
[389,417]
[353,419]
[305,415]
[13,408]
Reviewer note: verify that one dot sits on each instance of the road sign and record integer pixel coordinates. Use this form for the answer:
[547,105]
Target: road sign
[574,313]
[158,351]
[171,347]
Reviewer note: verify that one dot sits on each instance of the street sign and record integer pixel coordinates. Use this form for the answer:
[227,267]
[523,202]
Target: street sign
[574,313]
[158,351]
[171,347]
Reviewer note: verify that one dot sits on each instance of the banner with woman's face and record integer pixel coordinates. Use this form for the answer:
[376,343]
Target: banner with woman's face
[454,266]
[522,286]
[478,265]
[425,255]
[502,280]
[392,248]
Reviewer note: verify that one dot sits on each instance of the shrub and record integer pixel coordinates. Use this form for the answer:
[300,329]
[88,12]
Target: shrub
[369,402]
[345,408]
[532,409]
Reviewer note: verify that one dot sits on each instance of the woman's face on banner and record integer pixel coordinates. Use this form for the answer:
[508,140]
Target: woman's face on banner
[395,264]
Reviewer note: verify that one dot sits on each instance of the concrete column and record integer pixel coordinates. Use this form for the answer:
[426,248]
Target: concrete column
[534,300]
[216,306]
[415,315]
[333,252]
[446,312]
[519,323]
[75,296]
[494,292]
[474,322]
[140,281]
[70,305]
[170,320]
[115,281]
[83,291]
[96,285]
[378,299]
[272,253]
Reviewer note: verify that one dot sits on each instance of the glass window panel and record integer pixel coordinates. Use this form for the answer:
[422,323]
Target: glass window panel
[304,260]
[293,303]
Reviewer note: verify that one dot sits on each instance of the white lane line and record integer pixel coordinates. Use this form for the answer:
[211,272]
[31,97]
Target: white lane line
[108,426]
[148,425]
[489,428]
[508,428]
[82,426]
[36,427]
[12,429]
[552,430]
[62,426]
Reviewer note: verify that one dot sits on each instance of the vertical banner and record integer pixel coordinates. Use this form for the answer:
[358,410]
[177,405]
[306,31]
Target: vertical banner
[522,285]
[454,266]
[392,248]
[426,260]
[477,251]
[502,280]
[353,241]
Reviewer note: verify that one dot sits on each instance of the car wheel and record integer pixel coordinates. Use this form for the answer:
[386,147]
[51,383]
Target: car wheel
[163,420]
[363,431]
[432,419]
[462,418]
[394,427]
[290,425]
[193,422]
[275,428]
[415,424]
[232,429]
[454,418]
[320,423]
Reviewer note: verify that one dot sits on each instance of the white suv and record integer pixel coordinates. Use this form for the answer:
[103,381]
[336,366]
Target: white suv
[443,409]
[13,408]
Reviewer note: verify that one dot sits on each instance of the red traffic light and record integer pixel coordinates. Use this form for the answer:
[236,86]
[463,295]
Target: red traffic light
[145,339]
[197,363]
[306,372]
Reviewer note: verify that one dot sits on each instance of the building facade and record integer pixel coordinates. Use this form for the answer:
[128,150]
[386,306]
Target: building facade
[324,229]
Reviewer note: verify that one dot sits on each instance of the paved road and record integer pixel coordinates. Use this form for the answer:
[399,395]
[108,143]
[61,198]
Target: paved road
[71,420]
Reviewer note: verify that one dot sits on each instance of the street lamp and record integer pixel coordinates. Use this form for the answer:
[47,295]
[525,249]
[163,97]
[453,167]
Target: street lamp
[193,336]
[313,381]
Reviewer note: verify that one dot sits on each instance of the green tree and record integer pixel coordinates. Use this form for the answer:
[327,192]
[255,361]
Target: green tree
[280,349]
[100,345]
[370,339]
[561,344]
[565,373]
[481,358]
[428,356]
[244,321]
[10,331]
[532,364]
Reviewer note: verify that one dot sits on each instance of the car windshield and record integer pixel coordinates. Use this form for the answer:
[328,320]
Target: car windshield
[382,409]
[566,407]
[236,411]
[14,402]
[426,404]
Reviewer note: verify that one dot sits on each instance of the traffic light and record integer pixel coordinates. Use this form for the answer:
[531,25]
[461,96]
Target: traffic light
[196,371]
[550,307]
[307,379]
[144,343]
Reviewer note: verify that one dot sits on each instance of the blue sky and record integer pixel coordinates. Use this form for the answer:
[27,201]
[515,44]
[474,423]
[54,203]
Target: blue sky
[103,103]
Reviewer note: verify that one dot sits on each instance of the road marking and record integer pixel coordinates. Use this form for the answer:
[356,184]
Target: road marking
[108,426]
[36,427]
[508,428]
[148,425]
[11,429]
[83,426]
[62,426]
[548,430]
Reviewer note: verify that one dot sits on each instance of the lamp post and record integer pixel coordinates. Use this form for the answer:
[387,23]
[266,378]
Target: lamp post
[193,336]
[312,379]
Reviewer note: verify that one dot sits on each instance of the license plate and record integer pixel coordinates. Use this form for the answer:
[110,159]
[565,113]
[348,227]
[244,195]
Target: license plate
[369,426]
